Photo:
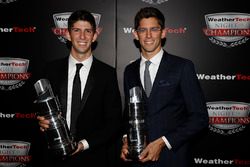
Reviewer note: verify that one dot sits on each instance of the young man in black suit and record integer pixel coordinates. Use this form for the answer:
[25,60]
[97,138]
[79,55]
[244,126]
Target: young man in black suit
[175,106]
[96,128]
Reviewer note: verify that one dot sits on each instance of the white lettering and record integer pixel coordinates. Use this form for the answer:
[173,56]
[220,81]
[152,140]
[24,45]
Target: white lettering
[128,30]
[215,77]
[2,115]
[212,161]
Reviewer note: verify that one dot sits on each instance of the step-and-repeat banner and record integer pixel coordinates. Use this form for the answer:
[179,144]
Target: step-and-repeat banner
[213,34]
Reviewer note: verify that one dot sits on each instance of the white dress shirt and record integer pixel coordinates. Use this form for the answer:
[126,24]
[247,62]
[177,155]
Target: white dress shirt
[84,72]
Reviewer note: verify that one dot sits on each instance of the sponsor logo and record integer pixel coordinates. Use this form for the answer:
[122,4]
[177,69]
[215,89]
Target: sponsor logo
[16,29]
[228,117]
[227,29]
[218,161]
[7,1]
[224,77]
[154,2]
[13,73]
[17,115]
[61,24]
[14,153]
[179,30]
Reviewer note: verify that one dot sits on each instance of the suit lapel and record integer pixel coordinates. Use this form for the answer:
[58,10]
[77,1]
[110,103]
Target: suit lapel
[89,84]
[161,74]
[64,86]
[137,78]
[137,74]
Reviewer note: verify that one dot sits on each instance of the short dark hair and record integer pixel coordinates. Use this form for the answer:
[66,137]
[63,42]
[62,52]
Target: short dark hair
[148,12]
[83,15]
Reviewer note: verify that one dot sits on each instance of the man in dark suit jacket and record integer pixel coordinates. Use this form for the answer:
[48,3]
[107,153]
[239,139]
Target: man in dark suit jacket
[97,126]
[175,108]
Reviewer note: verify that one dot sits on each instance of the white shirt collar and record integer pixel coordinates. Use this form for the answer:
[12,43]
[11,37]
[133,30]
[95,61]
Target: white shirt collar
[156,59]
[86,63]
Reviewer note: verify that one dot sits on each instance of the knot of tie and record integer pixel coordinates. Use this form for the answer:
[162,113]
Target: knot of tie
[147,63]
[78,67]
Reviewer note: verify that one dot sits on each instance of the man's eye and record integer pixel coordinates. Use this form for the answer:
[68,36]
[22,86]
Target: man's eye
[141,30]
[155,29]
[75,30]
[144,30]
[89,31]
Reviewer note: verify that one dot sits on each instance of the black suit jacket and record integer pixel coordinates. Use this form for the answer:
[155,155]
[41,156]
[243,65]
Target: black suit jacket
[175,109]
[100,117]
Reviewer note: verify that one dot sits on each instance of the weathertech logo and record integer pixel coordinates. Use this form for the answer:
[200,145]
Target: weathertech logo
[218,161]
[14,153]
[17,116]
[180,30]
[61,23]
[223,77]
[228,117]
[154,2]
[13,73]
[227,29]
[18,29]
[7,1]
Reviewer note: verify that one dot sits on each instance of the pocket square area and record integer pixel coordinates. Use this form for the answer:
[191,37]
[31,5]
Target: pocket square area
[163,83]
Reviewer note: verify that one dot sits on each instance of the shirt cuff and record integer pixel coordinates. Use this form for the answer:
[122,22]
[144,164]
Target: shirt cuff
[166,142]
[85,144]
[124,137]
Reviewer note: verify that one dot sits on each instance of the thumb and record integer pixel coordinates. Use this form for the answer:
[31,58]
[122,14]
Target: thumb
[143,154]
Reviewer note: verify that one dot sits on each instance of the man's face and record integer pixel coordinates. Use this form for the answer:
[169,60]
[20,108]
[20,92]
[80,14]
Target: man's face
[81,36]
[149,34]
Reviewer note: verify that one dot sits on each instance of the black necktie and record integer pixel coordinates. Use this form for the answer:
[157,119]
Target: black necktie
[147,79]
[76,99]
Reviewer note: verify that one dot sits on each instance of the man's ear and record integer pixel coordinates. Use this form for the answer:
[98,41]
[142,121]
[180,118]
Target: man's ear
[135,35]
[164,33]
[66,35]
[95,36]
